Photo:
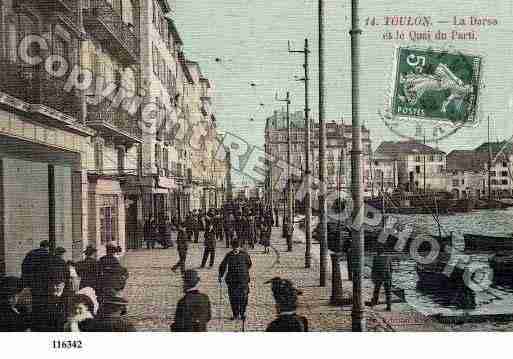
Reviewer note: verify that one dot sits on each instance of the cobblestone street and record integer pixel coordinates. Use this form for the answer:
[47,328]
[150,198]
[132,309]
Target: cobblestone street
[153,291]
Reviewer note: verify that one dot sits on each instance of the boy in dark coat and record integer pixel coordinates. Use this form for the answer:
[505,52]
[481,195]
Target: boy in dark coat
[236,265]
[193,311]
[182,246]
[210,243]
[285,296]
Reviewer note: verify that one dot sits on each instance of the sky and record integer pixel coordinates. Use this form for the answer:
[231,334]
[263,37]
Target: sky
[250,39]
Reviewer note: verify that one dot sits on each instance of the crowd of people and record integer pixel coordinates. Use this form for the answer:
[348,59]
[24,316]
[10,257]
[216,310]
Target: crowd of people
[55,295]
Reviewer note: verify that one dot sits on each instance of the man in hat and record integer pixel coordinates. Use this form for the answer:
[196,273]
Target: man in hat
[182,247]
[88,269]
[228,225]
[218,225]
[31,265]
[189,225]
[382,276]
[197,225]
[12,317]
[52,316]
[209,243]
[34,271]
[111,316]
[193,311]
[236,264]
[286,297]
[148,233]
[112,275]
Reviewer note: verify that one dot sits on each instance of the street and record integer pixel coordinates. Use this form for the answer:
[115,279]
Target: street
[153,291]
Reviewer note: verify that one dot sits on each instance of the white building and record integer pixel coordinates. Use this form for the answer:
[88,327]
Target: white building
[418,166]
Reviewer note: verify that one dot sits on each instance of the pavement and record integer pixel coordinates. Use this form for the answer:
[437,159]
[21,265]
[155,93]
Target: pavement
[153,291]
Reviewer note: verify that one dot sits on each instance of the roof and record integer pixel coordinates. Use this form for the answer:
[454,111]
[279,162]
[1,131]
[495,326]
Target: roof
[466,160]
[207,81]
[406,147]
[495,147]
[185,68]
[279,120]
[174,31]
[477,160]
[164,4]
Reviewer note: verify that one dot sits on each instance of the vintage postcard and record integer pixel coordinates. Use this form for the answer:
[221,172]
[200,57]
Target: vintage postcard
[255,166]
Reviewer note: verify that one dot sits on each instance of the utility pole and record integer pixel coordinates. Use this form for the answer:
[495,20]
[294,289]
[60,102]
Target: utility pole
[358,311]
[289,180]
[307,172]
[323,210]
[424,156]
[489,164]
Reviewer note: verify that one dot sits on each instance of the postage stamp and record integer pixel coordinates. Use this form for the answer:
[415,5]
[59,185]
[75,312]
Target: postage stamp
[436,85]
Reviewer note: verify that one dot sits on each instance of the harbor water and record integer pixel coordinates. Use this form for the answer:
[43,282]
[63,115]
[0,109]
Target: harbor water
[488,222]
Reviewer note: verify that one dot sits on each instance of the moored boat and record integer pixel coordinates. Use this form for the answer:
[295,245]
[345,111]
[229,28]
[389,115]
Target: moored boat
[435,278]
[484,243]
[502,266]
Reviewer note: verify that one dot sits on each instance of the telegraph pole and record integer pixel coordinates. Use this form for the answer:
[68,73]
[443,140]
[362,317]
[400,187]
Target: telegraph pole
[289,181]
[424,156]
[358,311]
[323,210]
[308,196]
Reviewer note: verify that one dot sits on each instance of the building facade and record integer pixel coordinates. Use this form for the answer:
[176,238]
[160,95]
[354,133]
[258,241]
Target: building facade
[418,167]
[338,152]
[95,119]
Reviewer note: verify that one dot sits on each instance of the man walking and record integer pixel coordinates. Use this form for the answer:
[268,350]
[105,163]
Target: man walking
[193,311]
[382,275]
[209,243]
[236,264]
[182,246]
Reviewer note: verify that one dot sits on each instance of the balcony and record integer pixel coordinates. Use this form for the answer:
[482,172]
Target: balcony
[115,123]
[67,10]
[108,26]
[37,92]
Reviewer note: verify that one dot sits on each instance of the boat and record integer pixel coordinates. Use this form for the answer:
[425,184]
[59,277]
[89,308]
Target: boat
[502,266]
[432,277]
[485,243]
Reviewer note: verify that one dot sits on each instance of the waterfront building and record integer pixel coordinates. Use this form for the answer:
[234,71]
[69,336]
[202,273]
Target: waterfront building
[418,166]
[338,152]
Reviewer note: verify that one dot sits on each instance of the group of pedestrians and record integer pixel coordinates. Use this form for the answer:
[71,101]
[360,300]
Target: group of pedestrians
[159,232]
[62,295]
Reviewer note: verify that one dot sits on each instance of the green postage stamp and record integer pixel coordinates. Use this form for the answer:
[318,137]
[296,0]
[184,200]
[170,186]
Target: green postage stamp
[436,85]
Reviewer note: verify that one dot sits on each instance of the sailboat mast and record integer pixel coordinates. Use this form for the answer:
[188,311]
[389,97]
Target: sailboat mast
[489,163]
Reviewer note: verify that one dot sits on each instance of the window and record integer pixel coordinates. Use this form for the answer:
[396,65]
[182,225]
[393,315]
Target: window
[108,218]
[440,168]
[158,157]
[494,182]
[417,159]
[121,159]
[504,182]
[98,156]
[12,40]
[504,164]
[165,158]
[417,169]
[492,173]
[431,158]
[504,173]
[462,182]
